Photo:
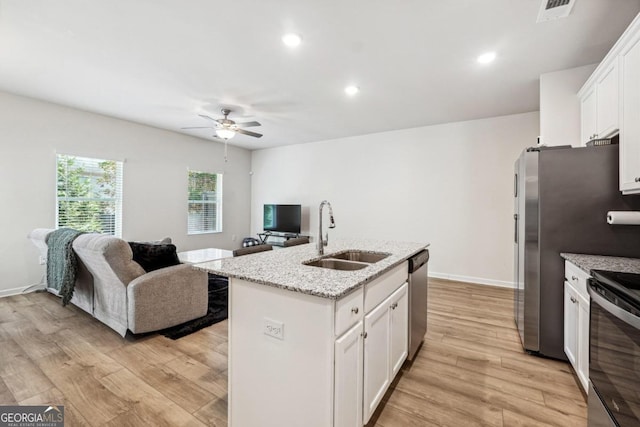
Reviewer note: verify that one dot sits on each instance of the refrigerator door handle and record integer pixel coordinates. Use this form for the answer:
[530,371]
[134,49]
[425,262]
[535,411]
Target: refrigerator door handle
[515,185]
[515,228]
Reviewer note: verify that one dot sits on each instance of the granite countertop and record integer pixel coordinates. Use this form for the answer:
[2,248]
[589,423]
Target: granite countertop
[283,268]
[600,262]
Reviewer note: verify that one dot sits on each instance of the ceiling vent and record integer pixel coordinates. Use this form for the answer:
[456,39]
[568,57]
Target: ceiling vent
[554,9]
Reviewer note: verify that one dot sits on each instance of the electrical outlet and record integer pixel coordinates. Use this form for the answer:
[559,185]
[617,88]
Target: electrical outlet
[274,328]
[42,260]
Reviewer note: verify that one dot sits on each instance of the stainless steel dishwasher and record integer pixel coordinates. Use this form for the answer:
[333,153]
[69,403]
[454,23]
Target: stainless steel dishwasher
[418,280]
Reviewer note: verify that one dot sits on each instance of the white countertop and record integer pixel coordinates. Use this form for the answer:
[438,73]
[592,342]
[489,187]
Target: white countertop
[283,268]
[203,255]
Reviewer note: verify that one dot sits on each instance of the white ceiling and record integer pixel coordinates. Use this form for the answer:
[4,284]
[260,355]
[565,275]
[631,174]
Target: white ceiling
[162,62]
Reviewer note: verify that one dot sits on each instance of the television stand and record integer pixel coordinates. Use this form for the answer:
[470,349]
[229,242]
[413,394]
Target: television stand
[280,237]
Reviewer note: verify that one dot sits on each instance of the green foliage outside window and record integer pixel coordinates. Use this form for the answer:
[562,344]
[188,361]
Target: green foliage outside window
[201,183]
[204,204]
[87,194]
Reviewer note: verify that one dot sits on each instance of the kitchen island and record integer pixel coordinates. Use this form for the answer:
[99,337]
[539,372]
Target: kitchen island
[314,346]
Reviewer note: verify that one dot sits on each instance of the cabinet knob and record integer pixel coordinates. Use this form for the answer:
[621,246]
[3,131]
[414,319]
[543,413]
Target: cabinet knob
[355,310]
[573,300]
[364,335]
[574,278]
[394,305]
[637,179]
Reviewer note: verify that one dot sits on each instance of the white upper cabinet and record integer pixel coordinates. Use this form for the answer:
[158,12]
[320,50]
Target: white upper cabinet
[614,88]
[599,105]
[607,105]
[588,114]
[630,133]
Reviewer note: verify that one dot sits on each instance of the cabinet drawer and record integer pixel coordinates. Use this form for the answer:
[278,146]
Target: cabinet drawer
[577,278]
[349,310]
[379,289]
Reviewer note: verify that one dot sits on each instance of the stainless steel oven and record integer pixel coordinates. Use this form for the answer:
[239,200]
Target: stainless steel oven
[614,349]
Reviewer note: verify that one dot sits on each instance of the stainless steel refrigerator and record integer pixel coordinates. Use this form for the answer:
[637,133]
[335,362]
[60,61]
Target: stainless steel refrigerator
[562,195]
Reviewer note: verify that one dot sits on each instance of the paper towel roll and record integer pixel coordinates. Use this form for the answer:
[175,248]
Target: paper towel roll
[623,218]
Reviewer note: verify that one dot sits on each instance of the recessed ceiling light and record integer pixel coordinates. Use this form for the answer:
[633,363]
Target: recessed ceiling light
[292,39]
[351,90]
[486,58]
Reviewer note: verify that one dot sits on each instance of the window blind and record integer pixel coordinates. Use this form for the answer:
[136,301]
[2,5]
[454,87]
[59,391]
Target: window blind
[205,203]
[89,194]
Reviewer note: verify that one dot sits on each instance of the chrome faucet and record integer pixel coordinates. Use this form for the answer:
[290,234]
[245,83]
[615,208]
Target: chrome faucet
[323,242]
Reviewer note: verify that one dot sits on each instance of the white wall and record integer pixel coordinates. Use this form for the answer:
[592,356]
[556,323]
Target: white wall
[560,106]
[450,185]
[155,179]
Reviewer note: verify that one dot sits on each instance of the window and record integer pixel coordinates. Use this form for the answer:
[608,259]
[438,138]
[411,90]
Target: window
[89,196]
[205,203]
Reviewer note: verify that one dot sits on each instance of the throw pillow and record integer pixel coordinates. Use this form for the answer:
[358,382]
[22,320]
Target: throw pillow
[164,241]
[152,256]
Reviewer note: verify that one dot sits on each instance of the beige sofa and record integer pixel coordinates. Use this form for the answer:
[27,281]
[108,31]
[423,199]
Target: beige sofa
[117,291]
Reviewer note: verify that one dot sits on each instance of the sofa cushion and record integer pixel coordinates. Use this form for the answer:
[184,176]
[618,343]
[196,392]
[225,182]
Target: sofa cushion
[153,256]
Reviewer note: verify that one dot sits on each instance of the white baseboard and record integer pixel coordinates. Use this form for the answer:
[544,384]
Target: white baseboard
[477,280]
[14,291]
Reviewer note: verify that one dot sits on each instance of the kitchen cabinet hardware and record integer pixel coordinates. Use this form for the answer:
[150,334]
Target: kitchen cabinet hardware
[355,310]
[574,278]
[573,300]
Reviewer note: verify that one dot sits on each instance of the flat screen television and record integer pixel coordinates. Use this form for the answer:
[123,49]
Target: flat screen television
[282,218]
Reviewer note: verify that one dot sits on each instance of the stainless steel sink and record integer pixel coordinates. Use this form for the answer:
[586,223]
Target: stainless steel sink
[360,256]
[336,264]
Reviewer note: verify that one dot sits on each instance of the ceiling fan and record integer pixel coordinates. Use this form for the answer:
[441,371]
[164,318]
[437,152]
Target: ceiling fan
[226,128]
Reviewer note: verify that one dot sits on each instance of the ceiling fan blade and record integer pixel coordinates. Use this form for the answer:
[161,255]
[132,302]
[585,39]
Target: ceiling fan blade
[248,124]
[207,117]
[199,127]
[249,133]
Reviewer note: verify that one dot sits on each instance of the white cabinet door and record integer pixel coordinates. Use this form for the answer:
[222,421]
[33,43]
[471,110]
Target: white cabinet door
[399,317]
[583,342]
[376,357]
[348,378]
[570,324]
[588,115]
[630,119]
[607,90]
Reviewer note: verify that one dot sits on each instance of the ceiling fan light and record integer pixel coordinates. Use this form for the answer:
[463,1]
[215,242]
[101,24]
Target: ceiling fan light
[225,133]
[351,90]
[292,39]
[487,58]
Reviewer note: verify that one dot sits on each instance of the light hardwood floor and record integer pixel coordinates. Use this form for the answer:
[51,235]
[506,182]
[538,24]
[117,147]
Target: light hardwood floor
[471,370]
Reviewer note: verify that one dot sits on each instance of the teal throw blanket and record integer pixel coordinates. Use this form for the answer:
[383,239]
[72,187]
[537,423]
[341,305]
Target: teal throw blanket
[62,264]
